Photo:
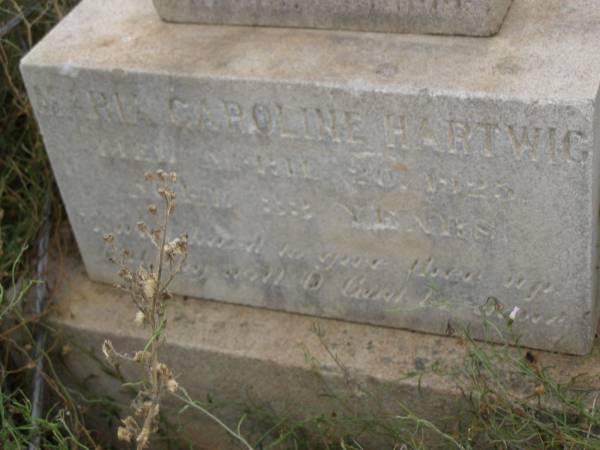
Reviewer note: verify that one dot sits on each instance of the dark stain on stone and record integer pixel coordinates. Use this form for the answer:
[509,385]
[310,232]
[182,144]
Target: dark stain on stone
[107,42]
[329,369]
[509,66]
[386,70]
[530,358]
[420,364]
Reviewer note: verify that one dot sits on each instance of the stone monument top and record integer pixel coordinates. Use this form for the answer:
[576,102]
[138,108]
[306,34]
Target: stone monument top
[450,17]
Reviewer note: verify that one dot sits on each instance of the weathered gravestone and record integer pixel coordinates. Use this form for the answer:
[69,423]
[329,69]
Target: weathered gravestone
[401,180]
[462,17]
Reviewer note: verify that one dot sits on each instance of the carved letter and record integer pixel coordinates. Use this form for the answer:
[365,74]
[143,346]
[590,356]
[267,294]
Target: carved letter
[327,129]
[488,143]
[459,133]
[520,146]
[354,123]
[427,137]
[285,131]
[262,118]
[395,131]
[572,138]
[181,113]
[552,144]
[234,114]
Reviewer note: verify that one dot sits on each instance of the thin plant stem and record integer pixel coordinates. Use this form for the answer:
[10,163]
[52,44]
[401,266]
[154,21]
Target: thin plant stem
[193,404]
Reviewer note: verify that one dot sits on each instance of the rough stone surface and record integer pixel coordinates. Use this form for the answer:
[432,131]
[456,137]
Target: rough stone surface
[250,358]
[400,180]
[244,357]
[454,17]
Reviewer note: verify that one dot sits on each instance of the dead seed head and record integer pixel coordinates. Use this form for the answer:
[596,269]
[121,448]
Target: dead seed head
[142,273]
[163,370]
[108,350]
[128,430]
[152,209]
[176,247]
[166,177]
[167,194]
[141,356]
[109,238]
[144,408]
[66,349]
[140,318]
[166,378]
[172,385]
[141,226]
[540,390]
[125,274]
[130,423]
[149,287]
[123,434]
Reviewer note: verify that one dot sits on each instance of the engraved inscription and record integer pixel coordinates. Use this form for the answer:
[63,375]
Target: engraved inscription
[401,211]
[391,133]
[413,289]
[475,189]
[291,208]
[374,218]
[402,132]
[256,274]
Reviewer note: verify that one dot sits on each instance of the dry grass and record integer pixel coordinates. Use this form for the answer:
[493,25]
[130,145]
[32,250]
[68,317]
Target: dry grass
[25,181]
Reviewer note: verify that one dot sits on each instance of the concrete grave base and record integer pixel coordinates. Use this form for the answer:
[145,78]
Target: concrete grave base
[396,180]
[249,358]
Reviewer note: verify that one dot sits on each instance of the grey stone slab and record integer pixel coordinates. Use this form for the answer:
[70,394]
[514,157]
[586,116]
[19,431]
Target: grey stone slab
[453,17]
[400,180]
[224,352]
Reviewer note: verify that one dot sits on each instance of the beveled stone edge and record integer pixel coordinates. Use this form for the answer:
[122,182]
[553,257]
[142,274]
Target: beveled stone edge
[486,28]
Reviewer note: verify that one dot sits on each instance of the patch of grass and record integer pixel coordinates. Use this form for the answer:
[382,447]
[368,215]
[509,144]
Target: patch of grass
[515,402]
[62,426]
[25,175]
[19,427]
[25,181]
[509,401]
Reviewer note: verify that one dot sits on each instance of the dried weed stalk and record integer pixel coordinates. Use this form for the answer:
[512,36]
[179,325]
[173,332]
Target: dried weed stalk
[148,288]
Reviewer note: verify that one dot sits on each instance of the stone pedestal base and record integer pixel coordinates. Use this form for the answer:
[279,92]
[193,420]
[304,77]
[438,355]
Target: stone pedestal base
[274,365]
